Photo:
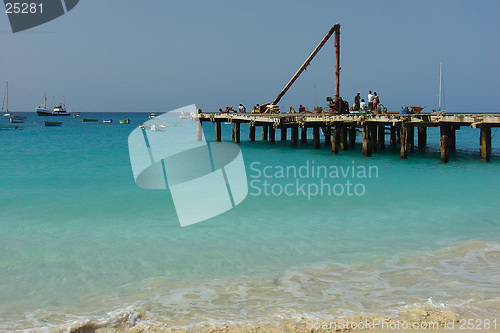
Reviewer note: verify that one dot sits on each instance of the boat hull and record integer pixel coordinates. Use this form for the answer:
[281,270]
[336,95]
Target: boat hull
[89,120]
[52,114]
[52,123]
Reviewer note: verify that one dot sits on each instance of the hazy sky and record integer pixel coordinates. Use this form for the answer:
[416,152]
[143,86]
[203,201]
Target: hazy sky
[157,55]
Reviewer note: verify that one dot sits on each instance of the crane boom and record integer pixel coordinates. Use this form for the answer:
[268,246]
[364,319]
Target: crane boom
[336,29]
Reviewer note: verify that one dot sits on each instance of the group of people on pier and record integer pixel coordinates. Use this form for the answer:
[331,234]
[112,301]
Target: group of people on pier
[373,105]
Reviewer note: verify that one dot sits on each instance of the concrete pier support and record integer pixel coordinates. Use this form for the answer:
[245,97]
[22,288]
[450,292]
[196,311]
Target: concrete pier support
[295,135]
[373,136]
[445,143]
[316,141]
[485,143]
[452,139]
[272,134]
[218,136]
[336,139]
[381,137]
[422,137]
[303,134]
[445,149]
[251,132]
[393,138]
[265,131]
[405,146]
[352,135]
[236,132]
[367,140]
[344,143]
[283,133]
[411,137]
[328,135]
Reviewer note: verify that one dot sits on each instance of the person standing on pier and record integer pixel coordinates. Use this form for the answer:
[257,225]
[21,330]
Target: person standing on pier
[356,101]
[376,100]
[292,110]
[242,108]
[370,100]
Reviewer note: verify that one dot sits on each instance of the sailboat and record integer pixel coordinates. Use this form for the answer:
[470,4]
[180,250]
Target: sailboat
[6,101]
[14,118]
[441,106]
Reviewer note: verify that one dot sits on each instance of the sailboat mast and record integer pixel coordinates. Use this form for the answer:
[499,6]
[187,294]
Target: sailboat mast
[7,93]
[440,84]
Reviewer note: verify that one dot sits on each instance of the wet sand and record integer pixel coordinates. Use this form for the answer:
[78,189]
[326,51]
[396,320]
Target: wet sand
[423,319]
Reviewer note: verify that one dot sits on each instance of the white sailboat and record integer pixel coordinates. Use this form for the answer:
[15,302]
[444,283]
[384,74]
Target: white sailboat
[6,101]
[441,105]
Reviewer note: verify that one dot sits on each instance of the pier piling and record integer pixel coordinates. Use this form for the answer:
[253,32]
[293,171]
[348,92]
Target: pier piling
[328,135]
[445,149]
[340,129]
[367,140]
[251,132]
[272,134]
[336,139]
[343,137]
[283,133]
[422,137]
[294,135]
[393,139]
[316,142]
[218,130]
[236,132]
[381,137]
[352,135]
[485,143]
[404,142]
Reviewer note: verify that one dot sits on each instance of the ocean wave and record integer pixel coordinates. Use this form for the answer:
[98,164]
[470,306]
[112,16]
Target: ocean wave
[460,280]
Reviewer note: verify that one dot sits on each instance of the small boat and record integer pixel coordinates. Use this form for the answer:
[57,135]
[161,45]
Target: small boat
[183,115]
[76,115]
[153,115]
[107,121]
[89,120]
[17,120]
[47,123]
[125,121]
[4,127]
[417,109]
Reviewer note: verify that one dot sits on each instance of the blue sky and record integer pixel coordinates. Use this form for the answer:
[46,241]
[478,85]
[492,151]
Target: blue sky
[159,55]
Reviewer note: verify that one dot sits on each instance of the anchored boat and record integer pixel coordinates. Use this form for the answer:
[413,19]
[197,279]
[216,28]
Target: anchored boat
[59,110]
[89,120]
[47,123]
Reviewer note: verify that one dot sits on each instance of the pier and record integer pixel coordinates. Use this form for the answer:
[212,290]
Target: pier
[339,127]
[339,130]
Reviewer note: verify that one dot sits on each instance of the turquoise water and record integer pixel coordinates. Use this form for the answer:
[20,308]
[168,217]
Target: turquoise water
[80,241]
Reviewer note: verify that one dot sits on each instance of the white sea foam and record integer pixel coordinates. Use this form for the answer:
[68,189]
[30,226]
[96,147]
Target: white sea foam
[462,277]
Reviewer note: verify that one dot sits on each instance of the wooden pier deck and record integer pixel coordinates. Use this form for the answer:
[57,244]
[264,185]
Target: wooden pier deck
[340,129]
